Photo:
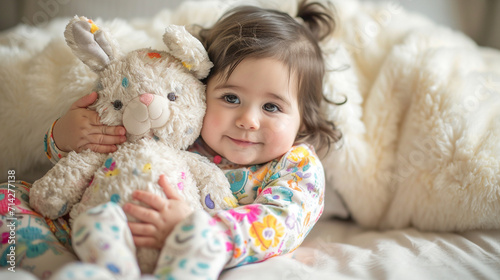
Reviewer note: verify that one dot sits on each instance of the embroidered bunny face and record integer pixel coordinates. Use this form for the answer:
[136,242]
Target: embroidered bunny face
[152,93]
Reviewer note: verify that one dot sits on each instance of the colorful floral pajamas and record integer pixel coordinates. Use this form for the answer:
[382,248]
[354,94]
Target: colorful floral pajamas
[42,246]
[280,201]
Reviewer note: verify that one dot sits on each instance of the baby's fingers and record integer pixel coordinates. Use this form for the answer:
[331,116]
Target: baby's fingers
[108,130]
[103,149]
[156,202]
[102,139]
[102,143]
[169,191]
[142,229]
[84,101]
[142,214]
[146,241]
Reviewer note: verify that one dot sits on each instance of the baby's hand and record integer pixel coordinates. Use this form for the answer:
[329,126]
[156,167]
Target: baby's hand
[81,129]
[156,223]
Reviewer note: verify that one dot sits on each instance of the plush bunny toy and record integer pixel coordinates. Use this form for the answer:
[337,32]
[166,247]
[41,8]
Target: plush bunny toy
[158,97]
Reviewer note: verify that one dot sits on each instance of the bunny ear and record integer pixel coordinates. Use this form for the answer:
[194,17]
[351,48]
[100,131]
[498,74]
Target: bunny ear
[90,44]
[185,47]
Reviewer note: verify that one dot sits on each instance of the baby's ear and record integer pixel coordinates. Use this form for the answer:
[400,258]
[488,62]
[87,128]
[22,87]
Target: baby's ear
[185,47]
[90,44]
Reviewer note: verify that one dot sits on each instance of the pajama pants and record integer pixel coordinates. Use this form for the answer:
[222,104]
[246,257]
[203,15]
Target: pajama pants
[29,241]
[101,236]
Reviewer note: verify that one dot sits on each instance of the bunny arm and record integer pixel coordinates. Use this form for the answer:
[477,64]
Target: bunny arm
[215,190]
[55,193]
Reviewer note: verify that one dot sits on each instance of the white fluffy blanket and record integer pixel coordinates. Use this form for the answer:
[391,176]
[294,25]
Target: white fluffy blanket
[421,125]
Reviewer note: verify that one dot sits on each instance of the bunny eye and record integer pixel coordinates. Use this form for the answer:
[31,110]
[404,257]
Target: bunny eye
[171,96]
[117,104]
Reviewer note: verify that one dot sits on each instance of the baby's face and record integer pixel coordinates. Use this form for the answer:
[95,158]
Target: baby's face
[254,116]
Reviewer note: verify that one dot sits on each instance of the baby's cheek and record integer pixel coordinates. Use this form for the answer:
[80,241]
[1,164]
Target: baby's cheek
[280,126]
[280,133]
[218,118]
[210,120]
[211,125]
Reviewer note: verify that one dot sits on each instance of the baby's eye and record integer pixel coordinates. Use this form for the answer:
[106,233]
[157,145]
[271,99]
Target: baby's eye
[270,107]
[117,104]
[230,98]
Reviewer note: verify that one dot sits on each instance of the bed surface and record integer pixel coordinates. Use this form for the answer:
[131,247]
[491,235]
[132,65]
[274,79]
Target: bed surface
[337,249]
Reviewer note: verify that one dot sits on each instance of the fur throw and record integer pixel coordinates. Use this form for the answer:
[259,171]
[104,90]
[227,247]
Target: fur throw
[420,127]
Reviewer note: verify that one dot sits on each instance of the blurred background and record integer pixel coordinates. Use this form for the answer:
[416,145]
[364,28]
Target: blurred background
[479,19]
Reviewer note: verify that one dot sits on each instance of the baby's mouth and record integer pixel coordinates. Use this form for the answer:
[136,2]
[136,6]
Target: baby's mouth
[242,142]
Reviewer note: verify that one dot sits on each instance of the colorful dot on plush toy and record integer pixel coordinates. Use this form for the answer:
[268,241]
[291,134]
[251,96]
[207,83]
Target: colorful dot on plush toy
[63,209]
[108,163]
[146,168]
[93,27]
[188,66]
[209,202]
[154,55]
[125,82]
[112,172]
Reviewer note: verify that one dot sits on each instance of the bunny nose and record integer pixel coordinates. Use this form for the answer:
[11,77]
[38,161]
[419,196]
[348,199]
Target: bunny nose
[147,98]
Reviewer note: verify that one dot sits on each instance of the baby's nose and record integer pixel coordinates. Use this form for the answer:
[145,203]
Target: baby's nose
[147,98]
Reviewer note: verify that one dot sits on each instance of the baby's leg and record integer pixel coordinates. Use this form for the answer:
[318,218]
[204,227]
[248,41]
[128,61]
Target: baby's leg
[101,236]
[84,271]
[194,250]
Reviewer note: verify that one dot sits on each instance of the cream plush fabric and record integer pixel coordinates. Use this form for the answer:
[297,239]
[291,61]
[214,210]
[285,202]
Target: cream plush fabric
[420,126]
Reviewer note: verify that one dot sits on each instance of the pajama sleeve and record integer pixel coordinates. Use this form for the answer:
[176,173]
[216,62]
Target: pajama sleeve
[51,150]
[288,203]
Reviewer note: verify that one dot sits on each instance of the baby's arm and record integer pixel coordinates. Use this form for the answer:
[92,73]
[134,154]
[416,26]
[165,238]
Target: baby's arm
[81,129]
[287,206]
